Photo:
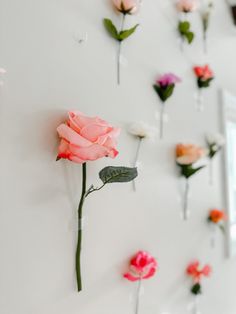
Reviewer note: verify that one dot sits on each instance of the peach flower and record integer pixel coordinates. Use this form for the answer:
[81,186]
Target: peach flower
[86,138]
[127,6]
[187,154]
[187,6]
[217,215]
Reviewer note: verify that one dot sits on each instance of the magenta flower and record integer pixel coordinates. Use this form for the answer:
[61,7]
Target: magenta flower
[168,79]
[142,266]
[164,87]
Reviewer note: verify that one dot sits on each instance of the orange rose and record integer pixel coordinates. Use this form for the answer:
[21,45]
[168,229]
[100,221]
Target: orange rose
[187,154]
[217,215]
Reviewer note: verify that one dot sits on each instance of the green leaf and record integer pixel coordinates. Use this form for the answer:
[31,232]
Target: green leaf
[185,32]
[189,36]
[184,27]
[187,170]
[196,289]
[222,228]
[128,32]
[204,83]
[164,92]
[117,174]
[110,27]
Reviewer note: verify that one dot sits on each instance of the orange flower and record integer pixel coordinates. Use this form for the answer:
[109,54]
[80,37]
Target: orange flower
[217,215]
[187,154]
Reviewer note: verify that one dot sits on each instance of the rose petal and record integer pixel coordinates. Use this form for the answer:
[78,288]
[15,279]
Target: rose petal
[93,152]
[71,136]
[150,273]
[93,131]
[130,277]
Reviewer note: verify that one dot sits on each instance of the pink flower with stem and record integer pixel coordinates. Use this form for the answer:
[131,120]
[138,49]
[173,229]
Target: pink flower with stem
[164,87]
[142,266]
[84,139]
[125,7]
[184,27]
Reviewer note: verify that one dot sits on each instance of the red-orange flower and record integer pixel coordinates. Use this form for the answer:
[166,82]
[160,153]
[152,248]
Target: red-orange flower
[216,216]
[203,72]
[196,272]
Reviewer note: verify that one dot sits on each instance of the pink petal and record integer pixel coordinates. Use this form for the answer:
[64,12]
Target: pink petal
[64,151]
[131,277]
[81,120]
[93,152]
[151,273]
[71,136]
[93,131]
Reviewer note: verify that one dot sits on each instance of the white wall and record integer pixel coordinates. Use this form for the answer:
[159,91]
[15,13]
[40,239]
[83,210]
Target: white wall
[50,73]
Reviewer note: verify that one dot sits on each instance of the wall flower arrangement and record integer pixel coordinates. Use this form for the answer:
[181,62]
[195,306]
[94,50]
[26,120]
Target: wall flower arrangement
[124,7]
[141,132]
[205,18]
[197,273]
[204,76]
[185,7]
[141,267]
[215,143]
[84,139]
[216,218]
[164,87]
[187,155]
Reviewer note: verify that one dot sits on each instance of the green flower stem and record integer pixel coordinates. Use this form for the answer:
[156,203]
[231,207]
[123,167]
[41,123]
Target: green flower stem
[119,50]
[80,217]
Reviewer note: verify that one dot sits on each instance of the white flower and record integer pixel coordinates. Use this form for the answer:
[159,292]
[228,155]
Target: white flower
[216,139]
[142,130]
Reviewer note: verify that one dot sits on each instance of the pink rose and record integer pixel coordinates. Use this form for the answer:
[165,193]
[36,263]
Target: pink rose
[126,6]
[187,6]
[142,266]
[84,138]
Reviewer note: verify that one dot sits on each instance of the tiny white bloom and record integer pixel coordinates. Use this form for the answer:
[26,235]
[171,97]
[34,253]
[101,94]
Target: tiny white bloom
[142,130]
[215,139]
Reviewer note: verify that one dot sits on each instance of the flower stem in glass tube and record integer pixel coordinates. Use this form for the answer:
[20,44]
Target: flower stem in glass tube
[136,159]
[119,51]
[199,100]
[138,296]
[162,120]
[185,199]
[211,179]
